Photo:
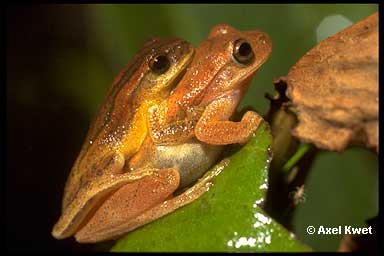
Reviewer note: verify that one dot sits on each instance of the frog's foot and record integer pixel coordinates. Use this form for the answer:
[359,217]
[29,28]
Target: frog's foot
[121,208]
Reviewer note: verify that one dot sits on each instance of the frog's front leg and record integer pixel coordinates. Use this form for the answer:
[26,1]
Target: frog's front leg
[118,213]
[214,127]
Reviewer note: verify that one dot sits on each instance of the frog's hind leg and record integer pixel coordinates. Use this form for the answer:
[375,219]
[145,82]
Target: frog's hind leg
[88,199]
[120,210]
[187,197]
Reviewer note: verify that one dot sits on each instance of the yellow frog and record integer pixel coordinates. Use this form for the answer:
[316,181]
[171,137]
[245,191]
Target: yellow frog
[186,134]
[119,129]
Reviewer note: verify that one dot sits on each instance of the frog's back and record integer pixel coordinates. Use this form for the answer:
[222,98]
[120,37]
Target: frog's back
[121,118]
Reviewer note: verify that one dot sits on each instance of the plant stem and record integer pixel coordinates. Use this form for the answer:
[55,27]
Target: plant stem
[303,149]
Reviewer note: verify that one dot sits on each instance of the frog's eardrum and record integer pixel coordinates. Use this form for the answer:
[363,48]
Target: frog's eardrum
[334,89]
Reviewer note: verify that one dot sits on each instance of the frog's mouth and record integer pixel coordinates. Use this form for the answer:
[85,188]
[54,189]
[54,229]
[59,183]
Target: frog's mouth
[177,79]
[183,69]
[166,87]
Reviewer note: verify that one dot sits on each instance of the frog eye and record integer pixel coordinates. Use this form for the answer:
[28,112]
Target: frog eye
[242,51]
[160,64]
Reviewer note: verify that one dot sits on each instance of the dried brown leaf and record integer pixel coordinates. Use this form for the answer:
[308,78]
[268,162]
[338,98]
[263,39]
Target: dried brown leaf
[334,89]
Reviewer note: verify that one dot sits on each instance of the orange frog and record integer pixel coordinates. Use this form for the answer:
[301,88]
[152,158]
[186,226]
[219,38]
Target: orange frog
[118,131]
[186,134]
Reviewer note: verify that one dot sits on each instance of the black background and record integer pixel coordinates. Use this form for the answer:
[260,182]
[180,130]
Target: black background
[36,169]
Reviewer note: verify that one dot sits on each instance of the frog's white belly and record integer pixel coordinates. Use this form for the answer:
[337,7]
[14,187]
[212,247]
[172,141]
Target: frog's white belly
[192,159]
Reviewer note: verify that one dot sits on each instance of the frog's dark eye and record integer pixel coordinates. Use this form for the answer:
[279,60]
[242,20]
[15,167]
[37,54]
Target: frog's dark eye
[160,64]
[242,51]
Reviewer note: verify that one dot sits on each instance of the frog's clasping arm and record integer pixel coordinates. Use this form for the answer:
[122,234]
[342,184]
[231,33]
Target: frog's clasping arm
[214,127]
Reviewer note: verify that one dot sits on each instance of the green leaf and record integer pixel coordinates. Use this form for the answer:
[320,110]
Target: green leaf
[227,217]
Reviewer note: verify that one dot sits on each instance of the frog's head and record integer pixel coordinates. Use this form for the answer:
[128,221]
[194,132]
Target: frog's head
[241,54]
[166,63]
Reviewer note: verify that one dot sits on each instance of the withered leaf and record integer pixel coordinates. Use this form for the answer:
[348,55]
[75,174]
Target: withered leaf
[334,89]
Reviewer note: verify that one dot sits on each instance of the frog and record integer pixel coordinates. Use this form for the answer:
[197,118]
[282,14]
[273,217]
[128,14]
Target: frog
[187,132]
[118,130]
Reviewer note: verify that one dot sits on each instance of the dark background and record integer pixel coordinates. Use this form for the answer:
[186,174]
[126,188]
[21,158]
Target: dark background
[60,59]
